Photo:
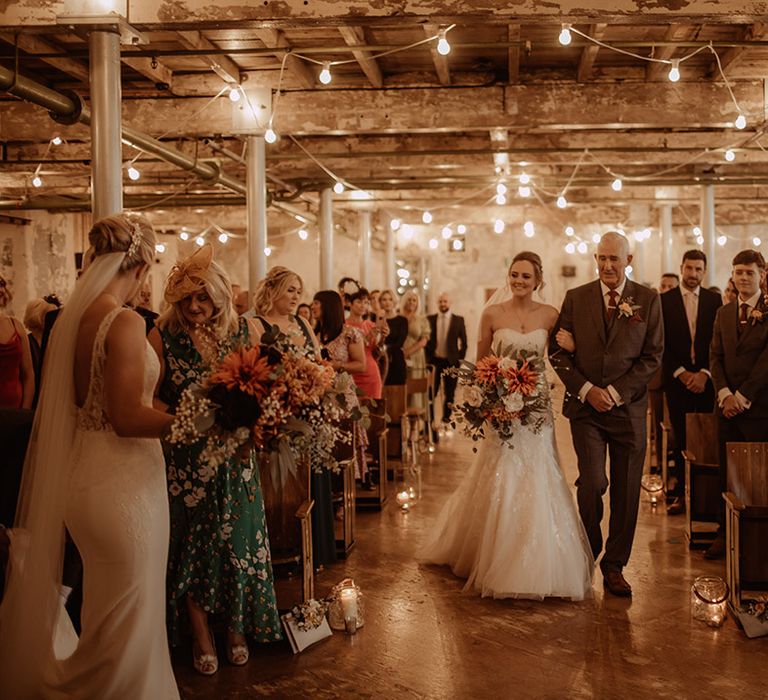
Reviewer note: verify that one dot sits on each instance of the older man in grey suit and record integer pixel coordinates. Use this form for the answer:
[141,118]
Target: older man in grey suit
[619,337]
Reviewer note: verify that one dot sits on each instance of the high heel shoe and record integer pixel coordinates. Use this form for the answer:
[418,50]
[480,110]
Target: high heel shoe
[205,664]
[237,654]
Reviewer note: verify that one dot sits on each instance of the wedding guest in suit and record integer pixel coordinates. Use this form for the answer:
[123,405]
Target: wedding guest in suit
[739,366]
[689,316]
[17,375]
[446,347]
[619,336]
[669,280]
[398,334]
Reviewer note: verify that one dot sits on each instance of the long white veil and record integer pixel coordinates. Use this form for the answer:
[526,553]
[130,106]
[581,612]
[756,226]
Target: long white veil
[30,607]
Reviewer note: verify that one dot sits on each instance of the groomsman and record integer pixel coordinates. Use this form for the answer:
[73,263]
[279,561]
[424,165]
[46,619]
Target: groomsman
[446,347]
[739,366]
[689,316]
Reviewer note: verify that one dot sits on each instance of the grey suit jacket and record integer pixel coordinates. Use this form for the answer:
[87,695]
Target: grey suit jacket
[625,353]
[739,361]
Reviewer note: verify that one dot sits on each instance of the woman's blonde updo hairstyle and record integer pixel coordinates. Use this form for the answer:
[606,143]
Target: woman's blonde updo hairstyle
[272,287]
[535,260]
[122,233]
[6,295]
[34,315]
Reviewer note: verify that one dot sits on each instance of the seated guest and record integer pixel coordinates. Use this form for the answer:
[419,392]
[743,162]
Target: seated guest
[739,367]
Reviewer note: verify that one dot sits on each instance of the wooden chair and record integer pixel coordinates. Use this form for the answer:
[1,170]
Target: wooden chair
[702,479]
[396,400]
[343,494]
[746,521]
[663,431]
[288,510]
[377,447]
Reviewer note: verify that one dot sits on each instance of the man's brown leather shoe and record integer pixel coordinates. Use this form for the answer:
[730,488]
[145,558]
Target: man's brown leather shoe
[677,507]
[615,583]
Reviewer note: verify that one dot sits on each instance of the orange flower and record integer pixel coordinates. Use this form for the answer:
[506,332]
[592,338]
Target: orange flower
[523,379]
[243,369]
[487,370]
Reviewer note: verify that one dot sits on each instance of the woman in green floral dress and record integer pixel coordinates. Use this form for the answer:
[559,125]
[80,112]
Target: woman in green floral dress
[219,559]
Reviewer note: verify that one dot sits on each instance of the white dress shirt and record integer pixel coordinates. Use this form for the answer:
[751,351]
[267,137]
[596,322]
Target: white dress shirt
[725,392]
[691,305]
[442,324]
[617,400]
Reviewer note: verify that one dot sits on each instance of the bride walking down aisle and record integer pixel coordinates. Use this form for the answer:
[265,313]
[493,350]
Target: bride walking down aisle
[511,527]
[95,467]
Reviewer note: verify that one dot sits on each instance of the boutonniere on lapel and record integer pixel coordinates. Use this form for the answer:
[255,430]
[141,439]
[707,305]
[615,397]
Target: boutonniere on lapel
[760,312]
[628,309]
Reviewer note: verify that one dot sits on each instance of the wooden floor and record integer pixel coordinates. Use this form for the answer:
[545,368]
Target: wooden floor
[424,638]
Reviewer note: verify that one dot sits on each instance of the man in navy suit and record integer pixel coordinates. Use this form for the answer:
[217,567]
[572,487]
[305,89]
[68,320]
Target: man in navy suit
[689,317]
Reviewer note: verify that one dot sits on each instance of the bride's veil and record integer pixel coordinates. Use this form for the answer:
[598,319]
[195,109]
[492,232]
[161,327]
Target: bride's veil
[30,607]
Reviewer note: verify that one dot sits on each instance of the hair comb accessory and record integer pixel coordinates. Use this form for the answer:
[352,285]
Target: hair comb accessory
[135,240]
[188,275]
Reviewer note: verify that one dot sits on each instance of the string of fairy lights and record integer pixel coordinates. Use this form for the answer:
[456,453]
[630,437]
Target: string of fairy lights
[527,185]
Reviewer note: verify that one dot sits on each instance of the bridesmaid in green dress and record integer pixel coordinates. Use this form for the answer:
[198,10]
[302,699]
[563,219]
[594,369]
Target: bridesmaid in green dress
[219,560]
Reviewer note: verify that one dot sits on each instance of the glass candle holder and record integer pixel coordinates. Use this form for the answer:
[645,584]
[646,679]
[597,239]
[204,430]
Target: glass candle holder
[404,500]
[654,486]
[346,610]
[709,600]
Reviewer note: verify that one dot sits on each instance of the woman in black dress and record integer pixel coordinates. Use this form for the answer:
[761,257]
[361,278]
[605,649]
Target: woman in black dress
[398,332]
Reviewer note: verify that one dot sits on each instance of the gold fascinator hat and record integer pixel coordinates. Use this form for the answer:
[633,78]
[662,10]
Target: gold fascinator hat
[188,276]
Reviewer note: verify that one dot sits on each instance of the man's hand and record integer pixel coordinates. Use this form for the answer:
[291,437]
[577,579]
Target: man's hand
[600,399]
[731,407]
[695,382]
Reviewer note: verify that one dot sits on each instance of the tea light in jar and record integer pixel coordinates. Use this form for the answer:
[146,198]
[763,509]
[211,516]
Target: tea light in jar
[403,499]
[348,598]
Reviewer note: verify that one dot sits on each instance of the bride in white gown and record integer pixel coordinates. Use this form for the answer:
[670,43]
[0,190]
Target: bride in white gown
[95,467]
[511,527]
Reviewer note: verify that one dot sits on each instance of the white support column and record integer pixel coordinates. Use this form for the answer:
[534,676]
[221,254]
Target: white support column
[667,259]
[708,231]
[326,239]
[106,144]
[365,249]
[389,261]
[256,210]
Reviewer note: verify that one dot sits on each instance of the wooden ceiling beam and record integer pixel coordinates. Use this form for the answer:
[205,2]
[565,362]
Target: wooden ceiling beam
[275,39]
[150,68]
[355,36]
[223,66]
[441,62]
[675,32]
[589,53]
[731,57]
[513,54]
[31,43]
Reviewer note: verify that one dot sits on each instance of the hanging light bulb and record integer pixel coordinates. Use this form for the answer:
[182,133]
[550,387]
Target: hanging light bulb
[565,35]
[267,251]
[338,188]
[269,135]
[617,184]
[524,191]
[458,244]
[696,231]
[223,237]
[433,243]
[184,236]
[395,224]
[160,247]
[674,71]
[200,241]
[741,122]
[596,238]
[426,217]
[582,247]
[569,231]
[525,178]
[570,248]
[133,173]
[443,47]
[730,155]
[498,226]
[325,74]
[721,240]
[37,181]
[57,140]
[501,188]
[501,199]
[700,240]
[562,202]
[303,234]
[234,94]
[447,232]
[757,242]
[462,229]
[529,229]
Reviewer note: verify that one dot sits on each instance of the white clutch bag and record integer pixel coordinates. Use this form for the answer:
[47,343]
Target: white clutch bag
[299,638]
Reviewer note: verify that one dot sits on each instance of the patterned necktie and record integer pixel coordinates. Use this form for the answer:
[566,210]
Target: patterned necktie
[613,296]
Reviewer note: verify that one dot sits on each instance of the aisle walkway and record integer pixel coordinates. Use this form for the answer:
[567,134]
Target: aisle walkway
[423,638]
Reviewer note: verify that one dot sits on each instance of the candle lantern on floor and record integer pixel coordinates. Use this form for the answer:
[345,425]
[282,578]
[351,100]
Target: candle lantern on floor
[709,600]
[404,499]
[346,609]
[654,486]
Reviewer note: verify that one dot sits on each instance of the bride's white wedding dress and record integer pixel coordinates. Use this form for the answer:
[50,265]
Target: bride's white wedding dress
[511,527]
[117,514]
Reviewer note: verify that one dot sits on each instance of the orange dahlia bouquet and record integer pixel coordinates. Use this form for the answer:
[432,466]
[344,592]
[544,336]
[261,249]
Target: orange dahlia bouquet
[504,390]
[273,398]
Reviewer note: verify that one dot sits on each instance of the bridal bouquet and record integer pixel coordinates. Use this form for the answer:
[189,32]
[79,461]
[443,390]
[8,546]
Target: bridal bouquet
[272,398]
[504,390]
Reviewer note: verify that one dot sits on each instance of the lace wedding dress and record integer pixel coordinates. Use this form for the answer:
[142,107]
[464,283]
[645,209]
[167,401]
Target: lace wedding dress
[511,528]
[117,514]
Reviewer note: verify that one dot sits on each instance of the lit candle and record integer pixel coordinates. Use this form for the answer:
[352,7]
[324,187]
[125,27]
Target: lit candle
[403,499]
[349,609]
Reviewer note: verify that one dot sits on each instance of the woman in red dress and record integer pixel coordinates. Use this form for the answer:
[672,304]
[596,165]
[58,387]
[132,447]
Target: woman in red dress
[368,381]
[17,376]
